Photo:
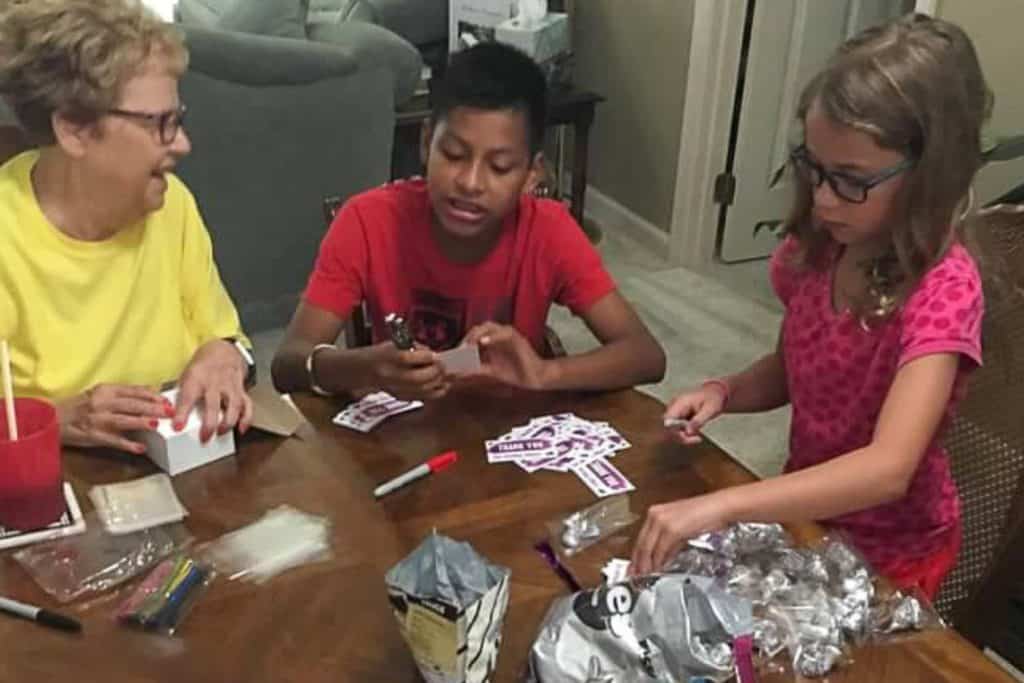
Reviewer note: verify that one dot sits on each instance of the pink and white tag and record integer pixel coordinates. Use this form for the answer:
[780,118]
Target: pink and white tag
[602,477]
[371,410]
[565,443]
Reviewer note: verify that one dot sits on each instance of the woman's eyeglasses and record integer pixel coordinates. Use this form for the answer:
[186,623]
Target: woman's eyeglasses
[847,187]
[166,123]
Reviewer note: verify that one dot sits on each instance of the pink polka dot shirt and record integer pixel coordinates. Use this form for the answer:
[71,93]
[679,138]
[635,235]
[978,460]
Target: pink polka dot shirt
[839,373]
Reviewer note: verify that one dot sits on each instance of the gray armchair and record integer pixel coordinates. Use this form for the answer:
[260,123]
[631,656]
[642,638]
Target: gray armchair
[277,125]
[422,22]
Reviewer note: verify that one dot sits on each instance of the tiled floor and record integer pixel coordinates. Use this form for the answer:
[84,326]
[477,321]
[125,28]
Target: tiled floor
[711,322]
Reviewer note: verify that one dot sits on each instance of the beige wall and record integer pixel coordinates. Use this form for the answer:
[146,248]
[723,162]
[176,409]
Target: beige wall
[995,27]
[635,53]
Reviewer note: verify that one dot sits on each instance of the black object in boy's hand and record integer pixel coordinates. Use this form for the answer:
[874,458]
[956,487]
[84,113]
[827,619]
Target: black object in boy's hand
[399,330]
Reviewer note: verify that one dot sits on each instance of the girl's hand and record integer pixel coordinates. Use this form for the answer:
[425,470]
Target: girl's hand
[696,408]
[670,525]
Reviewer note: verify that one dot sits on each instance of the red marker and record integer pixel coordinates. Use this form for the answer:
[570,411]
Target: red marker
[435,464]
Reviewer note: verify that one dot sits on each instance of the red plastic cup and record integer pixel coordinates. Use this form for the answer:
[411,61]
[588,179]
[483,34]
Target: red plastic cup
[31,483]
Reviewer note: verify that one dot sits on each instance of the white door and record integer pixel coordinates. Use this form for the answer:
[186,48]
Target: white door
[789,40]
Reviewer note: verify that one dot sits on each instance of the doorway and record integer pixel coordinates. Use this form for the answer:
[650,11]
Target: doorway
[785,42]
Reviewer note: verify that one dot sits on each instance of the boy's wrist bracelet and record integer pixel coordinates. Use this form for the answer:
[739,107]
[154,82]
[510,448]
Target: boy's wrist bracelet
[313,385]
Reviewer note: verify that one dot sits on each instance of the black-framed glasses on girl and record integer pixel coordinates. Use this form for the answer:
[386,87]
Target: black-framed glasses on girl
[165,123]
[846,186]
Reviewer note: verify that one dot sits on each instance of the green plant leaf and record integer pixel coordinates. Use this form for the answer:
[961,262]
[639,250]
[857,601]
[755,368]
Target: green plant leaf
[775,227]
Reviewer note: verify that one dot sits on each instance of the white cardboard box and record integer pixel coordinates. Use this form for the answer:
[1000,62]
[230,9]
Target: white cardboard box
[176,452]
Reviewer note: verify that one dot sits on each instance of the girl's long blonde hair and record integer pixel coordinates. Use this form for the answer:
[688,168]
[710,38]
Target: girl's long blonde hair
[914,85]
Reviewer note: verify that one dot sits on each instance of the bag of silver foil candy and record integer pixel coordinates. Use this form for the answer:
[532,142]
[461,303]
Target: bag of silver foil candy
[661,628]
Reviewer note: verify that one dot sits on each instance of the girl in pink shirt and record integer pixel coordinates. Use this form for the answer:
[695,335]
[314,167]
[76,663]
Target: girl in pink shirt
[883,308]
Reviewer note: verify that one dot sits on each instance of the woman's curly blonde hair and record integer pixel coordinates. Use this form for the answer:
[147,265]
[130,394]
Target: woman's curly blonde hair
[74,57]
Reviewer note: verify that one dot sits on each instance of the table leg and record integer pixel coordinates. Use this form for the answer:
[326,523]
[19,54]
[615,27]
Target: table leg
[559,163]
[580,153]
[405,152]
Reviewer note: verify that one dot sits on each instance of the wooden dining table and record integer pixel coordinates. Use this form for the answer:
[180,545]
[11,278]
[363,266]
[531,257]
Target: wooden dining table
[331,620]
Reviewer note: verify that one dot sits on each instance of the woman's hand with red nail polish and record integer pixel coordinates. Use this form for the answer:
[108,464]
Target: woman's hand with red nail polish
[214,383]
[107,413]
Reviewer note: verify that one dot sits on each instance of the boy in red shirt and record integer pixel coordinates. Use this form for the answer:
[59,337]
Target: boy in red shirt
[467,256]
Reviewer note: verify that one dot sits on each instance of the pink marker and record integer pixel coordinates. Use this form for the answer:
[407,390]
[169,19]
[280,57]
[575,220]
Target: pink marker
[435,464]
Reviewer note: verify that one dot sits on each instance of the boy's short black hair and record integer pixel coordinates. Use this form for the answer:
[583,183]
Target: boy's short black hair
[494,76]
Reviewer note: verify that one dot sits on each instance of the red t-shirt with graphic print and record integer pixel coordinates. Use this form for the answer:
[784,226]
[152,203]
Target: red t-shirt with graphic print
[380,250]
[839,374]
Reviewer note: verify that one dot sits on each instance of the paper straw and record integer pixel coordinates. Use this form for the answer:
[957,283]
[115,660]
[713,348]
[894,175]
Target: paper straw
[5,367]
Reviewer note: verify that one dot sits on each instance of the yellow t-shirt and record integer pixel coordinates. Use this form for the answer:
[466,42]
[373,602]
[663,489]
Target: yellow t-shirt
[131,309]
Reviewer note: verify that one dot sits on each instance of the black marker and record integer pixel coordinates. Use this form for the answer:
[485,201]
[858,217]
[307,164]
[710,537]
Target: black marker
[40,615]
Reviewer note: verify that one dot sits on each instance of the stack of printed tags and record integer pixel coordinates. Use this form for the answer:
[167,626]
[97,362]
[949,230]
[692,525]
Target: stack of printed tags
[370,411]
[566,443]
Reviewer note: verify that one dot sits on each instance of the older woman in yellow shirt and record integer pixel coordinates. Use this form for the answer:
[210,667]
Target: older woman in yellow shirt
[108,288]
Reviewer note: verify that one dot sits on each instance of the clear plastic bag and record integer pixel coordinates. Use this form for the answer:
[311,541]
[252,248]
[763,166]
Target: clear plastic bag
[900,612]
[130,506]
[164,598]
[816,602]
[281,539]
[96,561]
[581,529]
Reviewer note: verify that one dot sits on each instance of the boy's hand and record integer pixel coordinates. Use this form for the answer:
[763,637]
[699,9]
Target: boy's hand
[408,375]
[698,408]
[507,356]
